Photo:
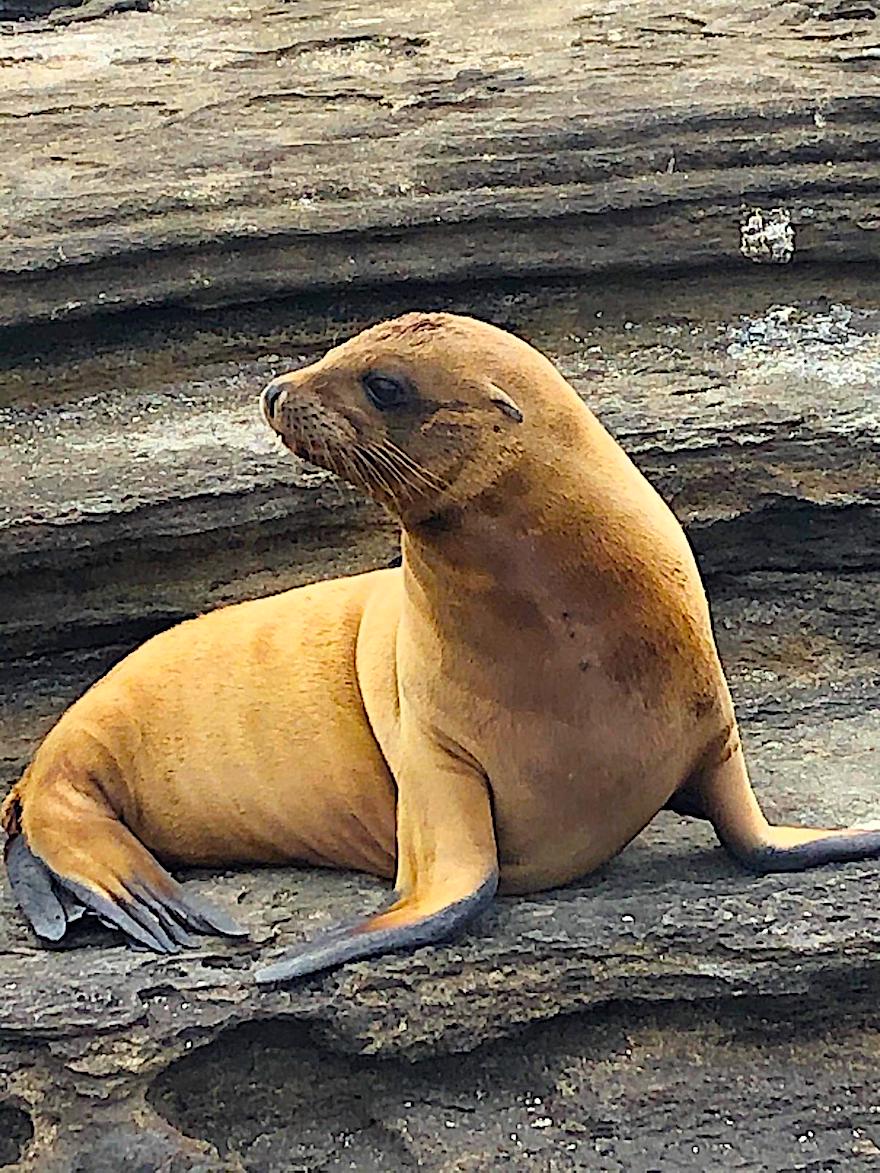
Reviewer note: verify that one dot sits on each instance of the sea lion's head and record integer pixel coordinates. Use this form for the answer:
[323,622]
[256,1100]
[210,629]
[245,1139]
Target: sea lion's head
[424,412]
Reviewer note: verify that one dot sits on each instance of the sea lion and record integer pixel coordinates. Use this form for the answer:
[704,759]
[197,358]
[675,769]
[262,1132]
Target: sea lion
[507,709]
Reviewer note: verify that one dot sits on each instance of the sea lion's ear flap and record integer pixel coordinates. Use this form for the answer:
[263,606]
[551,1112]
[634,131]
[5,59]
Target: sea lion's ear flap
[504,403]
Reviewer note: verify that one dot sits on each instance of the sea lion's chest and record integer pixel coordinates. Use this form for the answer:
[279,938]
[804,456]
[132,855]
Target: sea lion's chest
[573,701]
[577,763]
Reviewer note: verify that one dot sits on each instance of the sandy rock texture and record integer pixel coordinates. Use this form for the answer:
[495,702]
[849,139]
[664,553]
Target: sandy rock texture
[189,152]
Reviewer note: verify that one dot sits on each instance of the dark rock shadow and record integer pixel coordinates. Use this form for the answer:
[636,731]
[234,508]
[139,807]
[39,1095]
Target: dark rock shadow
[16,1133]
[623,1088]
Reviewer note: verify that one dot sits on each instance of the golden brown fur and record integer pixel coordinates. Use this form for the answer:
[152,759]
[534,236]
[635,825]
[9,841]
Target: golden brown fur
[512,705]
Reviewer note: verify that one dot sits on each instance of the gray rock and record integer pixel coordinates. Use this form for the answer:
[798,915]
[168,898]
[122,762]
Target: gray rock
[189,155]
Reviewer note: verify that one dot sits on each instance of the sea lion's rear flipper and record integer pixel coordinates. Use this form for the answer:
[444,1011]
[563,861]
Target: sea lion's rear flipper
[34,890]
[447,870]
[725,797]
[66,853]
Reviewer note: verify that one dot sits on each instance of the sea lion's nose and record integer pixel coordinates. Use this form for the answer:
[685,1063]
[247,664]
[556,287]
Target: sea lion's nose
[271,395]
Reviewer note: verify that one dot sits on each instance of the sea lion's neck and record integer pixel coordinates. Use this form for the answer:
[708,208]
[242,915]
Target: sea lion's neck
[513,536]
[564,524]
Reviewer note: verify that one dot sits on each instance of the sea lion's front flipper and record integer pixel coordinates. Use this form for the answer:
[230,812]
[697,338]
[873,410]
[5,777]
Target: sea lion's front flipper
[724,796]
[447,869]
[66,851]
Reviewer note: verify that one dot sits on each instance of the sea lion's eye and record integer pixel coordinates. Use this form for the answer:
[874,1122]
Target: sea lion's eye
[384,391]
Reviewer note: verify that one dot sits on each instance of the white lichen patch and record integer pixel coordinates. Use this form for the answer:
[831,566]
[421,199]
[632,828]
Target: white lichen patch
[767,238]
[836,345]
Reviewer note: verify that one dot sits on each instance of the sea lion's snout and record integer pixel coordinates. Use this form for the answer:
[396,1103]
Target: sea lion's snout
[302,411]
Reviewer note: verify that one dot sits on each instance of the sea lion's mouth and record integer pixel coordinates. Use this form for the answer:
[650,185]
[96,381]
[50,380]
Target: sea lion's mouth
[273,405]
[318,451]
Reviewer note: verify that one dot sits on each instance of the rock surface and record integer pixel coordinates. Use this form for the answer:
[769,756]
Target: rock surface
[196,153]
[752,1084]
[672,921]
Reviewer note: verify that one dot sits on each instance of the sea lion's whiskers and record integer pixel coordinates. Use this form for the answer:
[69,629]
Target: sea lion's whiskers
[338,463]
[368,478]
[358,472]
[381,460]
[435,482]
[409,471]
[435,478]
[319,456]
[332,463]
[400,472]
[409,474]
[368,456]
